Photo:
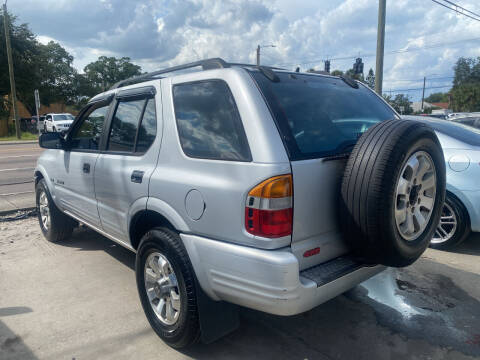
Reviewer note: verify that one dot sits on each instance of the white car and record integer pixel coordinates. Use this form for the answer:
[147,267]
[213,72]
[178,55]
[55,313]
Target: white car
[57,122]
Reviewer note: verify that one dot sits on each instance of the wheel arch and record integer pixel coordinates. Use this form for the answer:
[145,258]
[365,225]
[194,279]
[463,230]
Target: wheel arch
[157,213]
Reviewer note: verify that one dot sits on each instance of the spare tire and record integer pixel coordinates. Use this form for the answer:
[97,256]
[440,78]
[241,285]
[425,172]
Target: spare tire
[392,192]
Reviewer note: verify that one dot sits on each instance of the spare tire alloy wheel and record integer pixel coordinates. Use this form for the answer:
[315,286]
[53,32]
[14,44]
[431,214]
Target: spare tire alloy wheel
[415,195]
[392,193]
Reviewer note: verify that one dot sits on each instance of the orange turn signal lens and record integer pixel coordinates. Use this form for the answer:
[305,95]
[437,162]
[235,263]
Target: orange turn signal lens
[275,187]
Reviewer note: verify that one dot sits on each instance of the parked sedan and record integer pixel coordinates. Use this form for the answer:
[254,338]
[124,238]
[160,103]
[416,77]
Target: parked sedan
[461,211]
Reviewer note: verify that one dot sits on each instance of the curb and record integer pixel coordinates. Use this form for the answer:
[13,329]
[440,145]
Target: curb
[9,212]
[18,142]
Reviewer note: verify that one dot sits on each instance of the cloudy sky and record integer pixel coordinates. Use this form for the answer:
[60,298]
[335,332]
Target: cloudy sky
[305,32]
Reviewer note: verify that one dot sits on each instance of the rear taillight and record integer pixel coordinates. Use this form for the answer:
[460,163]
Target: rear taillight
[268,211]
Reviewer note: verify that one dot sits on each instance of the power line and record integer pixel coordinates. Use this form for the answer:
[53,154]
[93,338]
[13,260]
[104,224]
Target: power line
[417,89]
[399,51]
[476,17]
[420,80]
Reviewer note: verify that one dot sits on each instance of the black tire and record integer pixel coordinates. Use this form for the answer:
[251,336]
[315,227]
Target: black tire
[462,224]
[368,193]
[60,226]
[186,330]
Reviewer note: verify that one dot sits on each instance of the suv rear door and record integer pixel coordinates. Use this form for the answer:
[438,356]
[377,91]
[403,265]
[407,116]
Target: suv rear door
[129,156]
[320,119]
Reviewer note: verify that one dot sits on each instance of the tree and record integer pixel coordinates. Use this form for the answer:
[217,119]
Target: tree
[437,97]
[106,71]
[400,100]
[351,73]
[370,79]
[465,93]
[337,72]
[54,77]
[24,53]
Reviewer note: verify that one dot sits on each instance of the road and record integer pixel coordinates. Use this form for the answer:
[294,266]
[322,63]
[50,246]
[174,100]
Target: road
[17,162]
[78,300]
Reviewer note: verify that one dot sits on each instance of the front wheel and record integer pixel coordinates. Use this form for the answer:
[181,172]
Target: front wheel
[454,225]
[55,225]
[166,286]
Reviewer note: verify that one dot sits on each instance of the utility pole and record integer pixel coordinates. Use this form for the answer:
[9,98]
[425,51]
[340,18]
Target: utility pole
[258,52]
[380,46]
[6,21]
[423,92]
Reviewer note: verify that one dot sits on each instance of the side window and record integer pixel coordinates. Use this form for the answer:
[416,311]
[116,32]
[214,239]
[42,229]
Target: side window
[124,125]
[87,135]
[209,125]
[148,128]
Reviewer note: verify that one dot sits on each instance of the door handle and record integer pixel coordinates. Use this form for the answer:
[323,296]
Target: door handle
[86,168]
[137,176]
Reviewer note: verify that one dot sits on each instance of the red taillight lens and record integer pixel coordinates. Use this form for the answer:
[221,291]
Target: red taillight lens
[268,212]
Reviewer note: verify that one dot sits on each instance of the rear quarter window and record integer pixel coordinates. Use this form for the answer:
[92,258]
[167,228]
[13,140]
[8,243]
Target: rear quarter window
[208,122]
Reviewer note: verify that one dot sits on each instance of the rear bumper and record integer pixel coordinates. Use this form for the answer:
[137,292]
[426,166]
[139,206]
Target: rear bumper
[264,280]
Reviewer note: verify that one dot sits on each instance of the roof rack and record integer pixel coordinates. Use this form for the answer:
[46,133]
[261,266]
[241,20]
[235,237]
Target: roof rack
[207,64]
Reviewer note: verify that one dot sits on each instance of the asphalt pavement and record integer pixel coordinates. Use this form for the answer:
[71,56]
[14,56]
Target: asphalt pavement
[17,162]
[78,300]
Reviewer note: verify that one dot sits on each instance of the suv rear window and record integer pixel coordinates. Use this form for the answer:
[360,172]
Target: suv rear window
[208,121]
[320,116]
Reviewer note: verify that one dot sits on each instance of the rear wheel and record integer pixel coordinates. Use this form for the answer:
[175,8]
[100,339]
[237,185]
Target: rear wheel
[392,192]
[166,286]
[454,225]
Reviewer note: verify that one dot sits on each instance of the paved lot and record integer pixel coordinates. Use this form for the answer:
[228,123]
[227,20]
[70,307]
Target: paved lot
[79,300]
[17,162]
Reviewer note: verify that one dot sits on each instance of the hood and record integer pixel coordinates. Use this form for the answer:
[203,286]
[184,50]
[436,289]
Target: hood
[63,122]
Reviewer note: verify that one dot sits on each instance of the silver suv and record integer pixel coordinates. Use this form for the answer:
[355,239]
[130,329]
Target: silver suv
[243,185]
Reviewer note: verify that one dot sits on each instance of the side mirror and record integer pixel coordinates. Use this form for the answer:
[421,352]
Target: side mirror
[51,141]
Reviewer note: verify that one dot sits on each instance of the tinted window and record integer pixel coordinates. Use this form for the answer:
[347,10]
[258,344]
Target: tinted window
[208,122]
[320,116]
[124,125]
[87,136]
[148,128]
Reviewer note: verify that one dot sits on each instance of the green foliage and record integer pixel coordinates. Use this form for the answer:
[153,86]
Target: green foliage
[350,73]
[106,71]
[398,101]
[370,79]
[437,97]
[337,72]
[466,85]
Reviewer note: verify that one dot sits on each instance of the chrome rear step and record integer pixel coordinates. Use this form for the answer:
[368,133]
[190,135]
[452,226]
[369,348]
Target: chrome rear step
[332,270]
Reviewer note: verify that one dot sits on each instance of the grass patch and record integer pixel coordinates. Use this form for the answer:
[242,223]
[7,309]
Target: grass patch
[25,136]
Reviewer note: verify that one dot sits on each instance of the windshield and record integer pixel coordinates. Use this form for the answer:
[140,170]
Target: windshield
[320,116]
[456,130]
[62,117]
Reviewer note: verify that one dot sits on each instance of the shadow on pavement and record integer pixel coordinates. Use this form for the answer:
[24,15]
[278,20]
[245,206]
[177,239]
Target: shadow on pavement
[85,239]
[12,346]
[470,246]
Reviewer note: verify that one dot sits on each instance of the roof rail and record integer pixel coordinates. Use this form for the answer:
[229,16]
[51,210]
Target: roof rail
[207,64]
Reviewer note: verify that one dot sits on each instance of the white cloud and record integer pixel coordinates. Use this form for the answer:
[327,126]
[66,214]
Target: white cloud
[167,32]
